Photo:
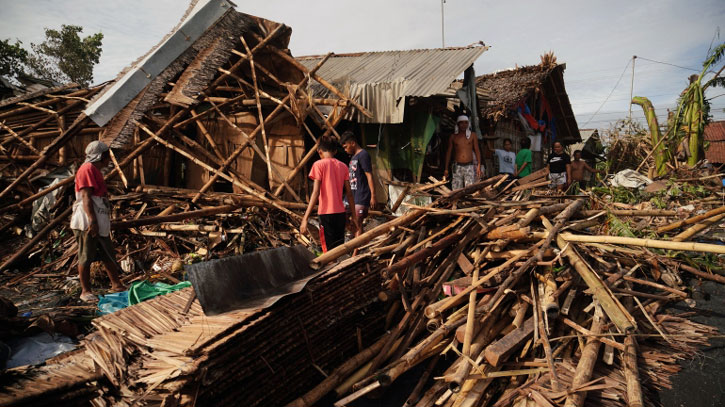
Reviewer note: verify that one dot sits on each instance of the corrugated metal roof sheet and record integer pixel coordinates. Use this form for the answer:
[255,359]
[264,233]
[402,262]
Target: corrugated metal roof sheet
[715,136]
[381,80]
[204,15]
[585,135]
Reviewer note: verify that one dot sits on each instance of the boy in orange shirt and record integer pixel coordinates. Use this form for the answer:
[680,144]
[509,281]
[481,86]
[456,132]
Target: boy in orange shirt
[330,176]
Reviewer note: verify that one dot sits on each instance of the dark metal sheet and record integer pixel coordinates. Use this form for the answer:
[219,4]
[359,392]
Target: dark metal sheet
[250,281]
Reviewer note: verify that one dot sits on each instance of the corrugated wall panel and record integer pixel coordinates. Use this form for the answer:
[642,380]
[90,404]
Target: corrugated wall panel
[381,80]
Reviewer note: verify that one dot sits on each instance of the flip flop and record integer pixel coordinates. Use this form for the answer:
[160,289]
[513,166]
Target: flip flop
[89,298]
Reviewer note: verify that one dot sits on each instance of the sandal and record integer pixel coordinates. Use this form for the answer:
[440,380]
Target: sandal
[88,297]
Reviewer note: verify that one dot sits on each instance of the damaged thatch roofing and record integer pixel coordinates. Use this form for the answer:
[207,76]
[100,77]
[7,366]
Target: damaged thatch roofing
[508,88]
[201,43]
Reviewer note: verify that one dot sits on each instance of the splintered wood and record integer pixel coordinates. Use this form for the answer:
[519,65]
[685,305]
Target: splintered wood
[554,322]
[530,318]
[184,180]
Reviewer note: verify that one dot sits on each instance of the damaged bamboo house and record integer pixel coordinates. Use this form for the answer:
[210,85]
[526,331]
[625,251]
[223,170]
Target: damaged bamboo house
[496,294]
[218,106]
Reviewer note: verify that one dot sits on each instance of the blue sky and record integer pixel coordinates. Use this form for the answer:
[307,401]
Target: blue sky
[596,39]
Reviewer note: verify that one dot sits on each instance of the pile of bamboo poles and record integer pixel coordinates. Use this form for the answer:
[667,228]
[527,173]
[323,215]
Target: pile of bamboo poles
[486,295]
[534,315]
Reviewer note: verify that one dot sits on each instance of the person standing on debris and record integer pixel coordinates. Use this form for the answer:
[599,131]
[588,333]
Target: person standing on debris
[330,176]
[577,169]
[90,221]
[523,159]
[559,166]
[506,159]
[361,177]
[465,171]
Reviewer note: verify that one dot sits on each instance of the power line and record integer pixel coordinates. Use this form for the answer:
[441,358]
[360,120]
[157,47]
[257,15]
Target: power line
[667,63]
[610,93]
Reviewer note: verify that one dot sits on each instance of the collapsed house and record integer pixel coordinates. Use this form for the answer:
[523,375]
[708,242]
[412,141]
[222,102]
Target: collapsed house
[183,119]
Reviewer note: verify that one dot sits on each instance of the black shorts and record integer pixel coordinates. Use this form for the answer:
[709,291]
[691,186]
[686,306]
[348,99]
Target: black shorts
[332,230]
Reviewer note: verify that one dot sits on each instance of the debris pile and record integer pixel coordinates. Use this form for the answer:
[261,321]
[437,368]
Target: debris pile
[501,297]
[540,308]
[231,114]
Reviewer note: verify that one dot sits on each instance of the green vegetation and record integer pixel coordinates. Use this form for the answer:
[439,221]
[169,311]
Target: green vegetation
[63,57]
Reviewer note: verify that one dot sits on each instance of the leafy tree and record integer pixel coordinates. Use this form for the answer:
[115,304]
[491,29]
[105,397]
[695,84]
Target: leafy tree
[66,57]
[12,58]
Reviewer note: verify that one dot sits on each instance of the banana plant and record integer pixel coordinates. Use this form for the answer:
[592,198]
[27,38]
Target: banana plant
[693,109]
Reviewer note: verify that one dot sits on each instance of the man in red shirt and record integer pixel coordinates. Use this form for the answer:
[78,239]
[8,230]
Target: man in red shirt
[90,221]
[330,176]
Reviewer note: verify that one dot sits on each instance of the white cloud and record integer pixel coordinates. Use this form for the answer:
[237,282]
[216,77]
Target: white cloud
[595,38]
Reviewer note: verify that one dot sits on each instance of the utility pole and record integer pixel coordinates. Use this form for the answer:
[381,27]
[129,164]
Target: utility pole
[631,89]
[443,26]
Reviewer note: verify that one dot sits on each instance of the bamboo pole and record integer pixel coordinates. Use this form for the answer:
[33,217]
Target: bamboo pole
[415,394]
[697,228]
[153,220]
[544,336]
[22,140]
[611,305]
[56,144]
[471,318]
[364,238]
[650,243]
[631,212]
[250,58]
[418,256]
[486,333]
[316,77]
[631,373]
[587,361]
[37,238]
[691,220]
[338,375]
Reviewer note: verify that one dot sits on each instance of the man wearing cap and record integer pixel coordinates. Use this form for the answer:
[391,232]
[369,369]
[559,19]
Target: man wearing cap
[90,221]
[465,143]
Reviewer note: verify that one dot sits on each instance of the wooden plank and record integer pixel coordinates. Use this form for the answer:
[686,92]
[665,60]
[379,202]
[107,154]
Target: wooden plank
[500,350]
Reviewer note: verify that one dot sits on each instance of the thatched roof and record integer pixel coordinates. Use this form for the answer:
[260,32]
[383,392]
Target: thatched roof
[508,88]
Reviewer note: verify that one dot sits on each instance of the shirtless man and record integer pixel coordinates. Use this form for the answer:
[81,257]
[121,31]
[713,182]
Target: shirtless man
[465,172]
[578,166]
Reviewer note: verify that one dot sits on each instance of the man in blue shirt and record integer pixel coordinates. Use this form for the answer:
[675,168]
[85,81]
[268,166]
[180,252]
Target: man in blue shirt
[361,177]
